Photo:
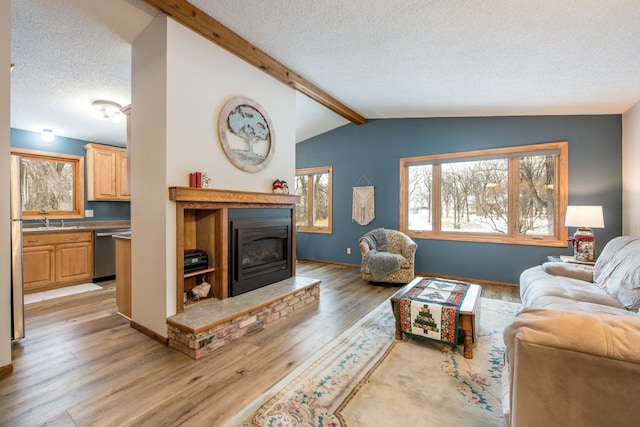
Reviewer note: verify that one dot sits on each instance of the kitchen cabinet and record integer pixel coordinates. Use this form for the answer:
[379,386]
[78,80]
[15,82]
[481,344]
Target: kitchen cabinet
[122,191]
[56,259]
[106,173]
[38,267]
[123,275]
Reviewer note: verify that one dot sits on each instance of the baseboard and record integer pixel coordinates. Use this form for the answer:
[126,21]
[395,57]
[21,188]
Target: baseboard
[6,370]
[420,273]
[319,261]
[148,332]
[471,280]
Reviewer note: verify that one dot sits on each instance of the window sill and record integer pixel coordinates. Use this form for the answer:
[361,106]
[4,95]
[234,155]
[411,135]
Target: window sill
[483,238]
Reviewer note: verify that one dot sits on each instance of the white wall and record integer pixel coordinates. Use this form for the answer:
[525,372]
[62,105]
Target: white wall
[182,81]
[631,171]
[5,256]
[147,151]
[202,77]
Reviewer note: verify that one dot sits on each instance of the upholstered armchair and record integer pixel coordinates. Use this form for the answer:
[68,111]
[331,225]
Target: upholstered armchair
[399,245]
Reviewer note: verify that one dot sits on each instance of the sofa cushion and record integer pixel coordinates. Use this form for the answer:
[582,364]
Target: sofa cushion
[605,336]
[541,289]
[617,270]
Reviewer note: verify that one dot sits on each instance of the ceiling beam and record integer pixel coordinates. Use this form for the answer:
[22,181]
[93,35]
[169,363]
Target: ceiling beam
[197,20]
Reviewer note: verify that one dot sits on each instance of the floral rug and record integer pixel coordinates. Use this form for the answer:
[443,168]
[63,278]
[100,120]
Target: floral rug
[366,378]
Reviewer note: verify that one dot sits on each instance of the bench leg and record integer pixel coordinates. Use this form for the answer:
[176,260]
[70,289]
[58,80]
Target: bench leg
[467,326]
[398,332]
[396,314]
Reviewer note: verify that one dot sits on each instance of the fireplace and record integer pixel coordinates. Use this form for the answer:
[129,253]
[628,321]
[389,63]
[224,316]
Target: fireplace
[259,248]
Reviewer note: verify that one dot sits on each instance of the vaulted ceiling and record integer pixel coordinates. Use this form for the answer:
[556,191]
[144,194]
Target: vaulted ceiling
[380,58]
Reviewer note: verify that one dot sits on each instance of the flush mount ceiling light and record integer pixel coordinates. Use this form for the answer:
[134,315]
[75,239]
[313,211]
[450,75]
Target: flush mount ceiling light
[107,110]
[47,135]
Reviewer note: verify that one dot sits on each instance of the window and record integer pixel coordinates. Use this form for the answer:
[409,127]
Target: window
[509,195]
[52,184]
[313,213]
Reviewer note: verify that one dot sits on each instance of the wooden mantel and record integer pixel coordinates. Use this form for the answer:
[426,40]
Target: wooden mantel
[190,194]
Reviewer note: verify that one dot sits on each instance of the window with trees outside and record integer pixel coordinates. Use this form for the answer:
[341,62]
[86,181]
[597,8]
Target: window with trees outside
[52,184]
[313,213]
[514,195]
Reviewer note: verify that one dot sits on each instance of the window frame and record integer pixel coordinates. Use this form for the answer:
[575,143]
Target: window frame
[309,172]
[559,237]
[77,163]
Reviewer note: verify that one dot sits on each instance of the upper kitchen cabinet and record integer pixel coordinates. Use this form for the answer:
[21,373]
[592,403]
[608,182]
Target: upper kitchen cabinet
[106,173]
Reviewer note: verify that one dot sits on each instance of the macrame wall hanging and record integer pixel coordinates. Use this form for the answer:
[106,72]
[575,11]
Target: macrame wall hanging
[363,210]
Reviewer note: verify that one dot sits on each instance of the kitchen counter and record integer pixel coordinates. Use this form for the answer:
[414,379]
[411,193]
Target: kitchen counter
[75,226]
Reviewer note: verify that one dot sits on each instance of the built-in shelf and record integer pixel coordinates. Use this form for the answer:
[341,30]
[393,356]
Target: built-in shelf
[199,272]
[189,302]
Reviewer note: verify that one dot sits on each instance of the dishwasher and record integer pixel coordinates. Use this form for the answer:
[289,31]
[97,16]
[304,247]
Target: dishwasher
[104,253]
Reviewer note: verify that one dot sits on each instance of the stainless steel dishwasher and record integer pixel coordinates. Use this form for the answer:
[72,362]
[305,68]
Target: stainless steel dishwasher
[104,253]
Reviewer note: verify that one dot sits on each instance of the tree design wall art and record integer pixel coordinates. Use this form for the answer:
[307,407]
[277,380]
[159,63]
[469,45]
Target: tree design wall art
[246,134]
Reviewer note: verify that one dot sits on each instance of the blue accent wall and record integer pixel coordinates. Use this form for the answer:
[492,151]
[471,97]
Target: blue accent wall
[375,148]
[102,211]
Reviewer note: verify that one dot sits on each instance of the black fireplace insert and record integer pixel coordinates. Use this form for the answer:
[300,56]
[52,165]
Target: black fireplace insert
[259,248]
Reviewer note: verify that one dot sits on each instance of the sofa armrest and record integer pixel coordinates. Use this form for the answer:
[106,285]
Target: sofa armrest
[571,368]
[574,271]
[364,248]
[408,248]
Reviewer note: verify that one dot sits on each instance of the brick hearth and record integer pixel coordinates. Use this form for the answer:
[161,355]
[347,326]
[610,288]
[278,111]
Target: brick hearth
[205,327]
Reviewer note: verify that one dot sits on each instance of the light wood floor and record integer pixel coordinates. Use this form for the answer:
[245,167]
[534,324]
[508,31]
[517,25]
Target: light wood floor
[82,365]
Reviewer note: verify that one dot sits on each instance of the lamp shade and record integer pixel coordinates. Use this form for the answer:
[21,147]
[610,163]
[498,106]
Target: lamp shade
[584,216]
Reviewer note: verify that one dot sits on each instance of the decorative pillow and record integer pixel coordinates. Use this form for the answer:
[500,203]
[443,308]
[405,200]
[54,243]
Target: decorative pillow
[617,270]
[574,271]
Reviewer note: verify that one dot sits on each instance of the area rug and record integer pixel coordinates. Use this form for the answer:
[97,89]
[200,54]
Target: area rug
[366,378]
[60,292]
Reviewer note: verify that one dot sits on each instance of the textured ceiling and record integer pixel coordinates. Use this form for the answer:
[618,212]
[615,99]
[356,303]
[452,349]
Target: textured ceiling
[67,54]
[383,58]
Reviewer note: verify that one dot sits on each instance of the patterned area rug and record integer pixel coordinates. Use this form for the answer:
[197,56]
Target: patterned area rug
[366,378]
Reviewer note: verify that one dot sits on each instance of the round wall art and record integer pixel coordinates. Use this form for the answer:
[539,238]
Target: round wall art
[246,134]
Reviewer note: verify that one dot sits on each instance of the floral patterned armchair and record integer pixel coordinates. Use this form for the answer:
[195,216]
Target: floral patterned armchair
[403,248]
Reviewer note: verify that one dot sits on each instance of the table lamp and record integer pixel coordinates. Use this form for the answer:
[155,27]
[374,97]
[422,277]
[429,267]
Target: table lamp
[583,241]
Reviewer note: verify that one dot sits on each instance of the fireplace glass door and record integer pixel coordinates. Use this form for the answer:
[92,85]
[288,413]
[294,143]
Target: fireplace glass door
[260,253]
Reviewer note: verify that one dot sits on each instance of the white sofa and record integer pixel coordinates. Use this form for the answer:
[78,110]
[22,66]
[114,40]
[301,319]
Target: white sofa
[572,355]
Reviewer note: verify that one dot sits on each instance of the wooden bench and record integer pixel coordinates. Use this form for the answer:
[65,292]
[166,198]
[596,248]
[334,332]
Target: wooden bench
[469,314]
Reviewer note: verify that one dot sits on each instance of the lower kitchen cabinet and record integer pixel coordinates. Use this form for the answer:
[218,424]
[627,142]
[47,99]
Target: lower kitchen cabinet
[123,276]
[38,267]
[56,259]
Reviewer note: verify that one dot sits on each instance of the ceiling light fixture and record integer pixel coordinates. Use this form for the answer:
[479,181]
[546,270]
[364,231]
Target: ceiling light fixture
[107,110]
[47,135]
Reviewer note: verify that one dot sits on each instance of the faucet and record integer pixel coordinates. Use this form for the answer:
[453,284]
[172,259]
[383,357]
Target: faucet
[62,223]
[45,221]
